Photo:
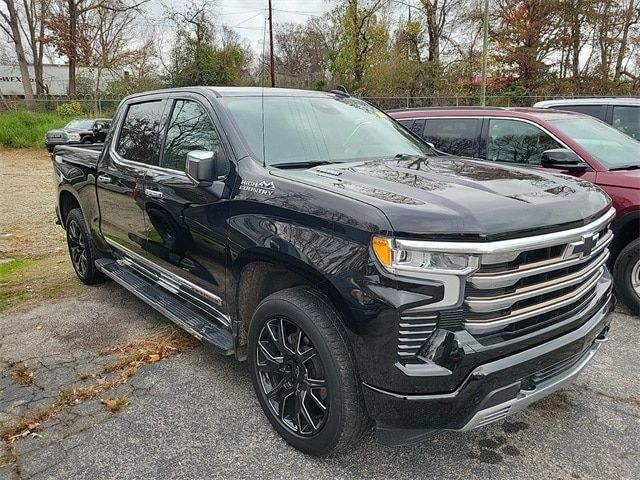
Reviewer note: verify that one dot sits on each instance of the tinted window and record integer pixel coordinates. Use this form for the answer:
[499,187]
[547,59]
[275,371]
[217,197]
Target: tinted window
[137,141]
[593,110]
[457,136]
[627,120]
[189,129]
[517,142]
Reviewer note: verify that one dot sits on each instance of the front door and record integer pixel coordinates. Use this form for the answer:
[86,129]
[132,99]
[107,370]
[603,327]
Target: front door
[186,228]
[121,174]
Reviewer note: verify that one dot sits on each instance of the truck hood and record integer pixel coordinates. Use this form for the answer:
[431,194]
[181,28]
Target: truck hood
[452,196]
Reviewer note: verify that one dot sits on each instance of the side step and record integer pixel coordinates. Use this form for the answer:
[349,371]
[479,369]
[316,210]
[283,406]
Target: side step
[185,315]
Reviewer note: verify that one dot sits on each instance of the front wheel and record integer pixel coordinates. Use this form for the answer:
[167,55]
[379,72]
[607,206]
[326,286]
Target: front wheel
[82,250]
[303,372]
[626,275]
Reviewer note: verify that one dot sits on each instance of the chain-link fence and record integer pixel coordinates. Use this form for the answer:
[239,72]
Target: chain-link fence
[108,106]
[388,103]
[90,105]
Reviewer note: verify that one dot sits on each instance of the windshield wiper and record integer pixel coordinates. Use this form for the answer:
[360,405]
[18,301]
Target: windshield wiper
[300,164]
[625,167]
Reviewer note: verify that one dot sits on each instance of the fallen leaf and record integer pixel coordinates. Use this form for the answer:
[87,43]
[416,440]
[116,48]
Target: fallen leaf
[38,327]
[154,358]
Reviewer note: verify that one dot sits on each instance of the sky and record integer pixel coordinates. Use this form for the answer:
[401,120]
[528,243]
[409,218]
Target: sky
[248,17]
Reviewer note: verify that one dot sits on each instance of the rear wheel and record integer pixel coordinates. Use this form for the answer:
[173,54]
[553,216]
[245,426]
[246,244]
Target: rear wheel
[303,372]
[82,250]
[626,275]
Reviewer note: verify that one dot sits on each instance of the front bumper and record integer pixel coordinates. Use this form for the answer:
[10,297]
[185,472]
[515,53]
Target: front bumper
[492,391]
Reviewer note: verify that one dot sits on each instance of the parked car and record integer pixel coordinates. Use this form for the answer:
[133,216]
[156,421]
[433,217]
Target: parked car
[362,276]
[565,142]
[81,130]
[621,113]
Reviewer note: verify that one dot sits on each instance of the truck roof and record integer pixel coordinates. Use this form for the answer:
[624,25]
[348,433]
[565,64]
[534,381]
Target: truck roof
[221,92]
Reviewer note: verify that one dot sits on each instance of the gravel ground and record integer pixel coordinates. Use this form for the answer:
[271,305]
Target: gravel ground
[194,415]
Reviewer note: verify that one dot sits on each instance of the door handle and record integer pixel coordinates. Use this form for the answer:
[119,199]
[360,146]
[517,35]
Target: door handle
[104,179]
[152,193]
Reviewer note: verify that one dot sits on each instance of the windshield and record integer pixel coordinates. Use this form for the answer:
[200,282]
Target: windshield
[309,130]
[609,146]
[83,124]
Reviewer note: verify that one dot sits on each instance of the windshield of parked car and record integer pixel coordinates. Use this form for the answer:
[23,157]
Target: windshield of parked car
[81,124]
[306,131]
[610,147]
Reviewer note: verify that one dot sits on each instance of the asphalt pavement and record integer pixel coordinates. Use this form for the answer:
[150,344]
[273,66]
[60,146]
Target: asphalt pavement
[195,415]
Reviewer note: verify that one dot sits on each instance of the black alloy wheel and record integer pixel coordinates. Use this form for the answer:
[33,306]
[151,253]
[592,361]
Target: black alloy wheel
[77,248]
[292,377]
[82,250]
[303,372]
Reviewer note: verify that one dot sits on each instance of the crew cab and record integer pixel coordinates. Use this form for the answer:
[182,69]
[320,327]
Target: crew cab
[365,279]
[81,130]
[565,142]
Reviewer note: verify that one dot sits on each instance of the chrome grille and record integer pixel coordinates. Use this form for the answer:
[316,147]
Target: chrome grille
[515,286]
[415,329]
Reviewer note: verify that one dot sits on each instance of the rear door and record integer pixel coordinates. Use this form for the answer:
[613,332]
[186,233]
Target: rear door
[121,173]
[186,224]
[454,135]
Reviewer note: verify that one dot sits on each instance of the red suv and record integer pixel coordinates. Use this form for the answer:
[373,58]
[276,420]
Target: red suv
[567,142]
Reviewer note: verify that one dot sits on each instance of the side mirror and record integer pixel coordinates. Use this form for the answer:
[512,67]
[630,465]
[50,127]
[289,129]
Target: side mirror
[205,167]
[563,159]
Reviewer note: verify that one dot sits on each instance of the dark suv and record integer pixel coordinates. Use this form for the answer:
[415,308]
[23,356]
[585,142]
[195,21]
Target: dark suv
[621,113]
[566,142]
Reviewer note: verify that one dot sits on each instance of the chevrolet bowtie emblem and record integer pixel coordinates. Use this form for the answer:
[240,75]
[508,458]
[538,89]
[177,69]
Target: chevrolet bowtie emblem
[584,247]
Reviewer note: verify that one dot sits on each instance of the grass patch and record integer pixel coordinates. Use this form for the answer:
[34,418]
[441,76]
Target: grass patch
[115,404]
[8,269]
[24,129]
[21,373]
[28,279]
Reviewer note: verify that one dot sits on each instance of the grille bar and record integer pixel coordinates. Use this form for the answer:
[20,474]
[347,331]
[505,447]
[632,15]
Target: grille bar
[490,304]
[540,308]
[505,279]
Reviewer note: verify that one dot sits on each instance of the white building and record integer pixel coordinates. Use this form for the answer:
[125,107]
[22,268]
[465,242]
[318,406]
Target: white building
[56,77]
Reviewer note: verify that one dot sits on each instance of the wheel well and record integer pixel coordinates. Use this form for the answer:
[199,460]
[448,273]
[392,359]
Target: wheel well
[628,232]
[259,279]
[67,203]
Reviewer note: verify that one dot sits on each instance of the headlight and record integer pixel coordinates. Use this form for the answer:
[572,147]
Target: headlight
[73,137]
[417,262]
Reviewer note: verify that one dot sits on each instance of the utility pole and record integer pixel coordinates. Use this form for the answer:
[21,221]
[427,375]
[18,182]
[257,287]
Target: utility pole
[485,43]
[271,64]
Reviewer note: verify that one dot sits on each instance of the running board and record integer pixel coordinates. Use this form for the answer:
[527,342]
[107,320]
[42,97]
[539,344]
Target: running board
[202,326]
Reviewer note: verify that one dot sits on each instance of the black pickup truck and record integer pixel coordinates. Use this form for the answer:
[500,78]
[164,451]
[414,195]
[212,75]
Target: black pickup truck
[365,279]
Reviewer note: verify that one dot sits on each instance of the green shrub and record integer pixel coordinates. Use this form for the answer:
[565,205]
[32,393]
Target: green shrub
[69,109]
[24,129]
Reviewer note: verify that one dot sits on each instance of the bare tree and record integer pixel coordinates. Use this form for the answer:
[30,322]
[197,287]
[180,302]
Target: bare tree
[68,24]
[11,26]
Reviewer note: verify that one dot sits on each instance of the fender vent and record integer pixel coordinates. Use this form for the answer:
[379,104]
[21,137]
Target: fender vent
[414,330]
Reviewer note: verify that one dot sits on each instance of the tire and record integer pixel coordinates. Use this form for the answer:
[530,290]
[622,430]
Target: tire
[82,250]
[87,141]
[313,331]
[626,276]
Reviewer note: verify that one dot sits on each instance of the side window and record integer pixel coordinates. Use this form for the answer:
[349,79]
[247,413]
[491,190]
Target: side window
[457,136]
[139,133]
[190,129]
[592,110]
[517,142]
[627,120]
